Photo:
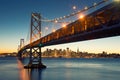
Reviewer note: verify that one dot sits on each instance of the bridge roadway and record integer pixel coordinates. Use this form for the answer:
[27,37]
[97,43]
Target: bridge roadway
[104,22]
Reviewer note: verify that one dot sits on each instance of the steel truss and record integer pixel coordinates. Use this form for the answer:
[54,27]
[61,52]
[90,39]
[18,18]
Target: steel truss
[34,52]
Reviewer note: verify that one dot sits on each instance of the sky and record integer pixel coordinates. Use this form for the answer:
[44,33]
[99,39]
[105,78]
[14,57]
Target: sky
[15,23]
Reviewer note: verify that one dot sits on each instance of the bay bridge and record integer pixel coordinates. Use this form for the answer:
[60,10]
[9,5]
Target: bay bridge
[101,23]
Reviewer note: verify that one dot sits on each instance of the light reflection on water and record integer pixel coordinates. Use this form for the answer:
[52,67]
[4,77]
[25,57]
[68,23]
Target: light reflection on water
[22,72]
[63,69]
[29,74]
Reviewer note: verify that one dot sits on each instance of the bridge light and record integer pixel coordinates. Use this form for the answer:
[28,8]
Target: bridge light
[46,28]
[86,8]
[56,21]
[64,16]
[53,30]
[63,25]
[81,16]
[74,7]
[95,4]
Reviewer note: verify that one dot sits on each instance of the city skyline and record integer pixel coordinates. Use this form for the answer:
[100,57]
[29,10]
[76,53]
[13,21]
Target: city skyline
[15,22]
[92,46]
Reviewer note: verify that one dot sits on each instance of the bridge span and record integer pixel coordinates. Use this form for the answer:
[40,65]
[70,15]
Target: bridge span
[104,22]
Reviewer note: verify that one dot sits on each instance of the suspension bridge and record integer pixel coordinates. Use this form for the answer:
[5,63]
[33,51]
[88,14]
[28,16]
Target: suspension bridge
[101,23]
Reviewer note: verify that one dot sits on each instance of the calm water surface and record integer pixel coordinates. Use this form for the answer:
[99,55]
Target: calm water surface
[62,69]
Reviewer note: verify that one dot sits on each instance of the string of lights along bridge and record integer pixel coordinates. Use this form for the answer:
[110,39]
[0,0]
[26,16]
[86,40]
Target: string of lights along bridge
[63,21]
[102,20]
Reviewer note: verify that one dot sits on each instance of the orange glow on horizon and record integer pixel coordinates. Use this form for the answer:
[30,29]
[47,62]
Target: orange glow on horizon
[9,50]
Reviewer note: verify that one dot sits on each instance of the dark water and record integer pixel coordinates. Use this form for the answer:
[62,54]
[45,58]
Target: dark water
[62,69]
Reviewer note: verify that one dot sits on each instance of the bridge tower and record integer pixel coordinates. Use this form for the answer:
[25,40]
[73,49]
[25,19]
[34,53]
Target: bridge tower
[21,43]
[20,46]
[35,60]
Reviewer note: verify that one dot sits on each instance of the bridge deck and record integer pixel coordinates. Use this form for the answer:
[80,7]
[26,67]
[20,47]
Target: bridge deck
[104,22]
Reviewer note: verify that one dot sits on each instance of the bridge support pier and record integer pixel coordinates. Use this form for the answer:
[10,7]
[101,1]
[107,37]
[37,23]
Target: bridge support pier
[35,60]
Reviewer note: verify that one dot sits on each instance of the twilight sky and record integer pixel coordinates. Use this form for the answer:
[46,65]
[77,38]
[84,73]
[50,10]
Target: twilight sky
[15,22]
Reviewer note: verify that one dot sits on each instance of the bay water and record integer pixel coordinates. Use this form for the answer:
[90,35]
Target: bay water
[62,69]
